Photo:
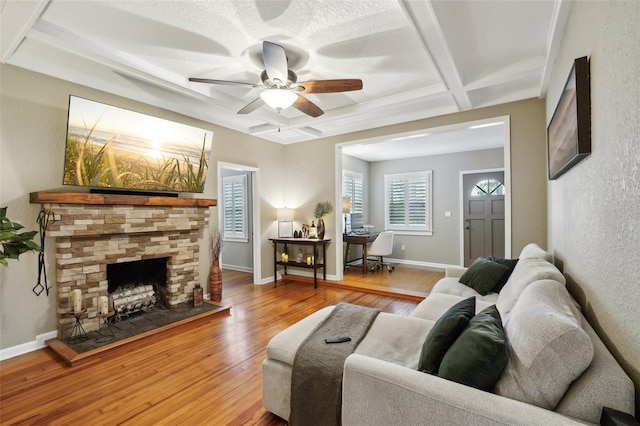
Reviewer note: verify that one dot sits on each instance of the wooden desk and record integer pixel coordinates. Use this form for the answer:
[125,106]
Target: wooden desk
[358,239]
[301,242]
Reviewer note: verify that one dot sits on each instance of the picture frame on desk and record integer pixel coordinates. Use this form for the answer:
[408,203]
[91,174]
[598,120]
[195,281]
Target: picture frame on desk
[285,229]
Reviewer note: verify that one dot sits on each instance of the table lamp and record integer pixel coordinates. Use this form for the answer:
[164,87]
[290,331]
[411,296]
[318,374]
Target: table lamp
[285,222]
[346,208]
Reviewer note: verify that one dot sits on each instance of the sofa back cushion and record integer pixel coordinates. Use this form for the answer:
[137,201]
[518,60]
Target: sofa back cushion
[548,349]
[533,251]
[525,272]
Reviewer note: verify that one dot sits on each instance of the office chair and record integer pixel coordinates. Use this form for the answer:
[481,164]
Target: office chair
[382,246]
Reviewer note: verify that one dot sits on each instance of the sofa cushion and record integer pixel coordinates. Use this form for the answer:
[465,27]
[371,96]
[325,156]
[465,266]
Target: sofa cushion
[533,251]
[396,339]
[526,271]
[444,332]
[451,285]
[436,304]
[483,275]
[510,264]
[479,355]
[548,349]
[284,345]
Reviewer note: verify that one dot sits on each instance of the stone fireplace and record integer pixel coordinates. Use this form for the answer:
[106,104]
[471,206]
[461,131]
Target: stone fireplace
[93,231]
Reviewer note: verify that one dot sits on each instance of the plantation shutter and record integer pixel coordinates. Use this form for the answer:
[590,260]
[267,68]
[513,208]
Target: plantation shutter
[408,201]
[234,192]
[353,187]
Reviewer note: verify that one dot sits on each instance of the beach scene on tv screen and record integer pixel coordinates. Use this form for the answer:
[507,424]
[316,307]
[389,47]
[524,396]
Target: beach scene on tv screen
[111,147]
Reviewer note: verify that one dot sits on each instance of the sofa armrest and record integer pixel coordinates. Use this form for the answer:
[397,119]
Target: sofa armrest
[376,392]
[454,271]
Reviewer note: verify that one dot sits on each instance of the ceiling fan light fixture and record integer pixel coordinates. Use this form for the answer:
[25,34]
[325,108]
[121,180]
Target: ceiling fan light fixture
[279,99]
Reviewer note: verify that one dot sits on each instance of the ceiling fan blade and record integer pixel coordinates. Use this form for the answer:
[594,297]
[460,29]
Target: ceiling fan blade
[252,106]
[275,62]
[331,86]
[224,82]
[305,105]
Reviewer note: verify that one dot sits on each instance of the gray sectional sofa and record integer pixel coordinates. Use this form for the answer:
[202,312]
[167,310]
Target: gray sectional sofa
[558,371]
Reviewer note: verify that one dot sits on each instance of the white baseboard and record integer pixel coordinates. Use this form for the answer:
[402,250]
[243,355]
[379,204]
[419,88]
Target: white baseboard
[24,348]
[419,263]
[236,268]
[301,273]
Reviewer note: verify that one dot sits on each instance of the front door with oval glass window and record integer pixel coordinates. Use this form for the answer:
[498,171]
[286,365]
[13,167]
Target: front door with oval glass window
[483,220]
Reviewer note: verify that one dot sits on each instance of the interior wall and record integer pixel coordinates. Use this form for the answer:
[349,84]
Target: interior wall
[32,139]
[443,247]
[594,209]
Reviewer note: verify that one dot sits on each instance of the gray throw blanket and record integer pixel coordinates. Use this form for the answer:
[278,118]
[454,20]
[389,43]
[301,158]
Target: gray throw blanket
[316,382]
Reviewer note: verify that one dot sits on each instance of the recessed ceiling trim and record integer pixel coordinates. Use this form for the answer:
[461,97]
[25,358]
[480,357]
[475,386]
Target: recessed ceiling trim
[16,20]
[556,32]
[430,31]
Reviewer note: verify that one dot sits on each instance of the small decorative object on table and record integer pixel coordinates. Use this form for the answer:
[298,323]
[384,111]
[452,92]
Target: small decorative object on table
[322,208]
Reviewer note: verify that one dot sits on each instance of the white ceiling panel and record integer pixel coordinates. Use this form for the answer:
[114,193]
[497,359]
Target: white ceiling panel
[416,59]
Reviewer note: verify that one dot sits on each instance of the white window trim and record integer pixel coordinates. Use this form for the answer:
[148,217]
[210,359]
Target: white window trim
[426,229]
[236,236]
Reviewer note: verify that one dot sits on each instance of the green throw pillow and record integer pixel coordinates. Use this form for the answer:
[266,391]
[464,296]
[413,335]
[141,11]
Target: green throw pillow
[483,275]
[509,263]
[479,355]
[444,332]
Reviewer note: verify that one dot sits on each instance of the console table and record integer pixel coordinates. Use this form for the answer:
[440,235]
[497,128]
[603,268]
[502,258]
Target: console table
[315,243]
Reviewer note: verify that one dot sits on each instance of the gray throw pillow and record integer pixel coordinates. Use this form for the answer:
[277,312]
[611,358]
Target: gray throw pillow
[483,275]
[443,333]
[479,355]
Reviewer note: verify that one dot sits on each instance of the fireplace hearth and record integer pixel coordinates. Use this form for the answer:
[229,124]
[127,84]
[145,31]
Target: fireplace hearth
[96,234]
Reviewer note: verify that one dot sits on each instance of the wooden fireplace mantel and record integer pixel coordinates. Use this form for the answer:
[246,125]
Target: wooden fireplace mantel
[117,199]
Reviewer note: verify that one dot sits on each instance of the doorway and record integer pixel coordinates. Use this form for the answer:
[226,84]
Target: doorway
[483,215]
[239,214]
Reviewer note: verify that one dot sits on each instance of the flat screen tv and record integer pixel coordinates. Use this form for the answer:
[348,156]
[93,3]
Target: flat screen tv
[569,132]
[115,149]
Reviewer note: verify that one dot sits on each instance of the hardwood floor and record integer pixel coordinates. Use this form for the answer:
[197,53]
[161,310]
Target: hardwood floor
[206,372]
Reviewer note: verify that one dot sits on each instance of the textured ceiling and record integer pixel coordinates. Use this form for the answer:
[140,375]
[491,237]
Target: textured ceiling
[417,59]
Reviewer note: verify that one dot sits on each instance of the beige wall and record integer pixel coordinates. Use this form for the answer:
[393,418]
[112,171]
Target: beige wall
[32,139]
[315,163]
[34,109]
[594,209]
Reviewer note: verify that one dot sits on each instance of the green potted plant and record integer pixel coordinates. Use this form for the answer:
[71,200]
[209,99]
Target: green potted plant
[14,242]
[322,208]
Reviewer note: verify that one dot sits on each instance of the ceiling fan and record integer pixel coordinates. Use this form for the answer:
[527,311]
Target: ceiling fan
[280,88]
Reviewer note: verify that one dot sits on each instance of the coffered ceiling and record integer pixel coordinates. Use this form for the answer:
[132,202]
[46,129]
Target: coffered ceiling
[416,58]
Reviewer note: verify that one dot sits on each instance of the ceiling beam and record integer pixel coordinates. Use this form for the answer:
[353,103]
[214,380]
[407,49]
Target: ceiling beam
[16,20]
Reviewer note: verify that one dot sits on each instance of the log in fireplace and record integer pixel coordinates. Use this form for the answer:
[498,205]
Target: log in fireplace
[137,286]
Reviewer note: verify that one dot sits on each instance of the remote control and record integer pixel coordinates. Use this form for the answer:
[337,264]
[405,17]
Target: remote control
[337,339]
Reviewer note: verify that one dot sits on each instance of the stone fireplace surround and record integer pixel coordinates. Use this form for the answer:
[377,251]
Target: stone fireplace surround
[93,230]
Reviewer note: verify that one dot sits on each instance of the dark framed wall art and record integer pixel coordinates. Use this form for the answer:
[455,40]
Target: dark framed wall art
[569,132]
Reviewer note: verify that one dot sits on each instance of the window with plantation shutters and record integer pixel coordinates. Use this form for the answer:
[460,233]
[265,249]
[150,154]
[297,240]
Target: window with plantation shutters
[234,199]
[353,187]
[408,202]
